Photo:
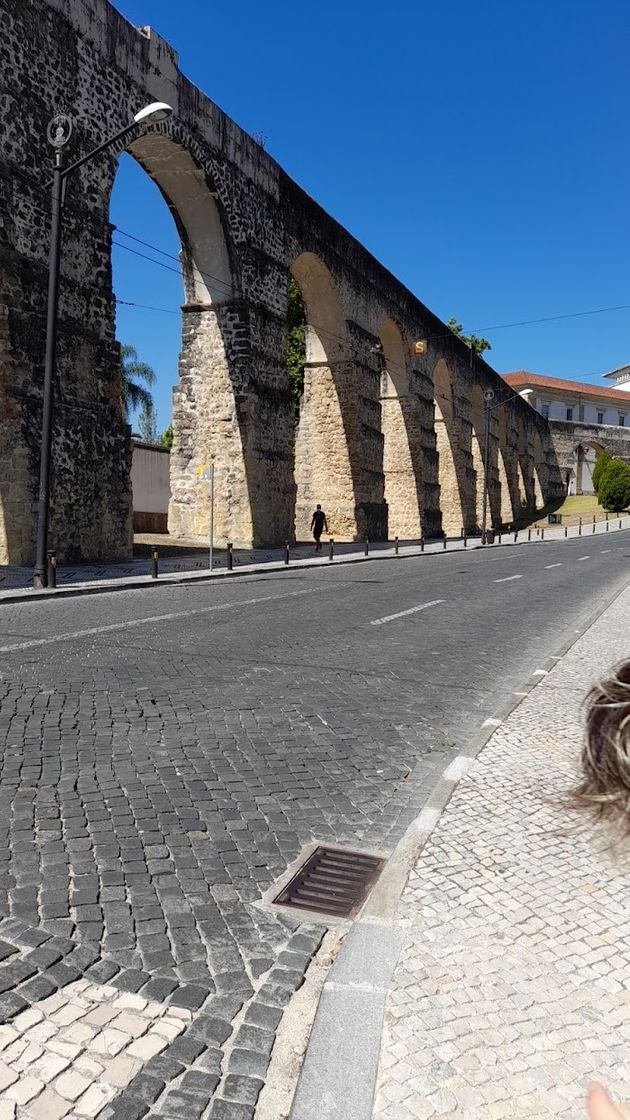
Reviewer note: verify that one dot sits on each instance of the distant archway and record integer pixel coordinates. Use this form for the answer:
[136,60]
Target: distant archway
[323,468]
[450,500]
[478,441]
[584,459]
[401,474]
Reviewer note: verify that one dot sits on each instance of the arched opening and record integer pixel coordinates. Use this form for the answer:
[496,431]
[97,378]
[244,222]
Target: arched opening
[402,479]
[450,497]
[323,469]
[478,443]
[522,491]
[507,510]
[206,426]
[584,459]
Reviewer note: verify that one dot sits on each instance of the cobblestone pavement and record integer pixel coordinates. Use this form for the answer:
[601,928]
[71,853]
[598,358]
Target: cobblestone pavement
[161,770]
[513,989]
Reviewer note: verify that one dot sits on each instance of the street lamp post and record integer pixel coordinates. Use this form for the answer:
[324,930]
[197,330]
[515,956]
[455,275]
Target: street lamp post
[488,396]
[59,132]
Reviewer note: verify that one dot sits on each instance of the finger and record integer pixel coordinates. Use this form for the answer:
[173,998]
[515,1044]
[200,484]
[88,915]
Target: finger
[599,1104]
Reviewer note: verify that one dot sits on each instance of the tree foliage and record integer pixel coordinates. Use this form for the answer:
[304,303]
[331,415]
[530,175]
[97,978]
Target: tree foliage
[130,373]
[166,439]
[601,462]
[614,486]
[476,344]
[147,423]
[296,344]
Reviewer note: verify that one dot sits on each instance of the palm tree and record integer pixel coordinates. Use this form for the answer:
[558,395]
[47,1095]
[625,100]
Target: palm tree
[133,395]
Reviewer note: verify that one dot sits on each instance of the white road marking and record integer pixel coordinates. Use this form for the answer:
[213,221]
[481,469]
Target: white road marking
[31,643]
[506,578]
[583,557]
[606,550]
[553,565]
[403,614]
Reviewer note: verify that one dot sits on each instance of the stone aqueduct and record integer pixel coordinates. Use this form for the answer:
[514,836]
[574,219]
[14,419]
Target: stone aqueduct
[390,443]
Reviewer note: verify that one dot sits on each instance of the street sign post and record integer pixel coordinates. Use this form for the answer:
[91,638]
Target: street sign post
[206,471]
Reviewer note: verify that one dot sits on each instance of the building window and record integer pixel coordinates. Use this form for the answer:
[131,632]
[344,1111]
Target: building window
[600,417]
[622,419]
[581,412]
[569,413]
[544,408]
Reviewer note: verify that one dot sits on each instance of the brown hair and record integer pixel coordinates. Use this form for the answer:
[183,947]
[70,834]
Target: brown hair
[605,786]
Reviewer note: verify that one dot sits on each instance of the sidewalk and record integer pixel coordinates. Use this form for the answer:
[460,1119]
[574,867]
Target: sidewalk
[16,583]
[504,970]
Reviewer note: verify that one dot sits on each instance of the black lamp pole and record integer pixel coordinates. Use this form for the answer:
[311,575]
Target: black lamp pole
[59,132]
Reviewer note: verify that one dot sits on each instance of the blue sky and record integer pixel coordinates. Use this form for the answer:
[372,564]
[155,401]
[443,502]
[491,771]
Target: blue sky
[479,150]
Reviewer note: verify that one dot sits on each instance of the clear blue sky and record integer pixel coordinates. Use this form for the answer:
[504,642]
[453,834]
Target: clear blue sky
[479,150]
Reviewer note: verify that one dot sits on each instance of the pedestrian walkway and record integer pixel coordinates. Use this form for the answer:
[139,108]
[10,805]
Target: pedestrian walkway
[512,989]
[16,583]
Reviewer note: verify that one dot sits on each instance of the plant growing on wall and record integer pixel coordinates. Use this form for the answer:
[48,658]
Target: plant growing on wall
[476,344]
[296,344]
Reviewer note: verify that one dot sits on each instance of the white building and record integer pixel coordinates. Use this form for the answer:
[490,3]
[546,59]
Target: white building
[579,403]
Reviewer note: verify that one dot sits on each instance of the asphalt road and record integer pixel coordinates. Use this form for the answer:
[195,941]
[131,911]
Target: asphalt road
[168,751]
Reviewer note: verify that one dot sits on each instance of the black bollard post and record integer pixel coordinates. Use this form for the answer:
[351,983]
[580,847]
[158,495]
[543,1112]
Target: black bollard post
[580,528]
[529,534]
[331,549]
[542,533]
[515,535]
[396,543]
[367,547]
[593,524]
[620,523]
[445,541]
[606,522]
[154,563]
[52,569]
[286,553]
[422,544]
[566,530]
[230,558]
[499,537]
[465,541]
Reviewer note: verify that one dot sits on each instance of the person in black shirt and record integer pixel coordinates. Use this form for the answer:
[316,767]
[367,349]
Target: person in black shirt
[318,524]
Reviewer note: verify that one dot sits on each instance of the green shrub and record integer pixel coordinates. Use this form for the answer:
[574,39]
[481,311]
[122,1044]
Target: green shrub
[614,486]
[601,462]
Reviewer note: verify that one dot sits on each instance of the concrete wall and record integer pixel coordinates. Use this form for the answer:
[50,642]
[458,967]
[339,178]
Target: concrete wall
[151,488]
[384,437]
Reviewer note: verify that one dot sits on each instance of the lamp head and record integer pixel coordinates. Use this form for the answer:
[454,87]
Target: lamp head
[526,392]
[156,111]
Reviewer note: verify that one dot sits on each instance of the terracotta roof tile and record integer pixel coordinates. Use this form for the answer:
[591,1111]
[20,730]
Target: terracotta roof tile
[521,378]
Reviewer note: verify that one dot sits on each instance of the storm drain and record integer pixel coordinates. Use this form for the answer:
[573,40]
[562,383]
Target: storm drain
[332,882]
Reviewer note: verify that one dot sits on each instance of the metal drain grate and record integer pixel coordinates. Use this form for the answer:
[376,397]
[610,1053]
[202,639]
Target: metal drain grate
[332,882]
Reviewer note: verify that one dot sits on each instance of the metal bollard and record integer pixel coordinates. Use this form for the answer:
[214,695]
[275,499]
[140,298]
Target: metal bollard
[422,544]
[445,541]
[529,534]
[580,528]
[566,530]
[367,547]
[606,522]
[542,533]
[620,523]
[515,535]
[396,545]
[331,549]
[465,541]
[52,569]
[499,536]
[230,558]
[154,563]
[593,524]
[286,553]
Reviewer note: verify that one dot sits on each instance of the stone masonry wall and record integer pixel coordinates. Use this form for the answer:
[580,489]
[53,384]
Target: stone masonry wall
[245,226]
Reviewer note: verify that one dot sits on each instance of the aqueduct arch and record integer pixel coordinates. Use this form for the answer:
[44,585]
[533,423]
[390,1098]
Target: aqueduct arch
[245,225]
[401,458]
[323,467]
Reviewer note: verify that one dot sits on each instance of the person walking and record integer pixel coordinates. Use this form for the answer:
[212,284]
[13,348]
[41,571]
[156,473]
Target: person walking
[318,525]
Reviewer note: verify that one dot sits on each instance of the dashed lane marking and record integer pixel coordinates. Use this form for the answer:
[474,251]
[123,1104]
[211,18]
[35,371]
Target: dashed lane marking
[553,565]
[33,642]
[606,550]
[583,557]
[403,614]
[506,578]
